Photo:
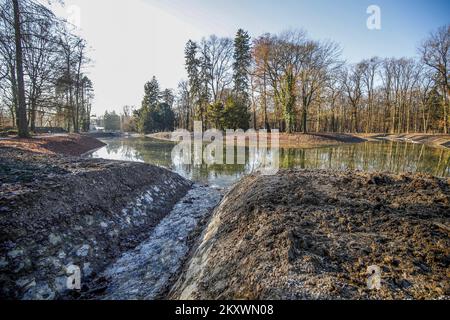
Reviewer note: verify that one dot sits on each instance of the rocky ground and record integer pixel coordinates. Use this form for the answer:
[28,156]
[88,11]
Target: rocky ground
[57,211]
[313,235]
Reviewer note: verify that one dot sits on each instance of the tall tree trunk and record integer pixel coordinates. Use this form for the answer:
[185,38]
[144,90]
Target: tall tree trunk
[445,95]
[304,119]
[21,110]
[14,96]
[266,121]
[33,114]
[355,119]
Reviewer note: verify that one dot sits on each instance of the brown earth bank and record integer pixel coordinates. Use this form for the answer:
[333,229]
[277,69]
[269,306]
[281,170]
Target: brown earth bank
[57,211]
[295,140]
[65,144]
[435,140]
[312,234]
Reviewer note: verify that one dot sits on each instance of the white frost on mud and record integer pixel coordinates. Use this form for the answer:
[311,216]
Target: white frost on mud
[145,271]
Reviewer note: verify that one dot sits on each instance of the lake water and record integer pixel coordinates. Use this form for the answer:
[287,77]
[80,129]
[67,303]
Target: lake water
[369,156]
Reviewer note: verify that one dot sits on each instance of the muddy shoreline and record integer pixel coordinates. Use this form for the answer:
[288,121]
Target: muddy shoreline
[313,140]
[295,140]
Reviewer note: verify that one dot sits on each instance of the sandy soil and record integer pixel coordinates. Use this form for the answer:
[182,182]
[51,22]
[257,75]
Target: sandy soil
[295,140]
[313,234]
[65,144]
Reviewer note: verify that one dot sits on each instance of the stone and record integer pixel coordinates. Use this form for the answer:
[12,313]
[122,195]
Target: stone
[83,251]
[89,220]
[87,269]
[15,253]
[3,262]
[41,291]
[26,283]
[61,283]
[54,239]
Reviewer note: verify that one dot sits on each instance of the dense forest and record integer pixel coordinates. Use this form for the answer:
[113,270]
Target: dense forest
[285,81]
[296,84]
[42,78]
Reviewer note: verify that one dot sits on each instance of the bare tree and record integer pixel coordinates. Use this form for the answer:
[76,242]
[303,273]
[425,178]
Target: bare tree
[321,63]
[435,54]
[352,84]
[38,64]
[21,111]
[369,70]
[217,55]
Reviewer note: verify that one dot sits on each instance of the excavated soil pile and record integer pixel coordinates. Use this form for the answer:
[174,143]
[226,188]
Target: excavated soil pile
[313,234]
[66,144]
[58,211]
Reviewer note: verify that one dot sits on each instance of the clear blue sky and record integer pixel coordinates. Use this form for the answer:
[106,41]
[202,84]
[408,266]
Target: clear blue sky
[404,22]
[136,39]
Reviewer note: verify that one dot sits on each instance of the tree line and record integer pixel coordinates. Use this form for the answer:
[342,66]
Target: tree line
[296,84]
[155,114]
[42,73]
[285,81]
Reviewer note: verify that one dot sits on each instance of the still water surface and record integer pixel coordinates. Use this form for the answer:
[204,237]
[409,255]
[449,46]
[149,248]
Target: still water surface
[369,156]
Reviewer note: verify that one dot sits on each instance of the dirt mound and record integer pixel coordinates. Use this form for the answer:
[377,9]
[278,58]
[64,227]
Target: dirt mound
[57,211]
[70,145]
[313,234]
[300,140]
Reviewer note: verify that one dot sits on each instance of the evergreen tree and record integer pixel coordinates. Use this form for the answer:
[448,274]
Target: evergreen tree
[145,122]
[156,113]
[168,97]
[152,94]
[242,62]
[112,121]
[164,117]
[192,67]
[215,114]
[195,71]
[145,117]
[236,115]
